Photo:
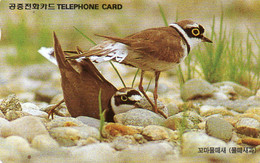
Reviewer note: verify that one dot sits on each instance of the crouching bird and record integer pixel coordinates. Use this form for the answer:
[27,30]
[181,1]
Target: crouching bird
[81,82]
[155,49]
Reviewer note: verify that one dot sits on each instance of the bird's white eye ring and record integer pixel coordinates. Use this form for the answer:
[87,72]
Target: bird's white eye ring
[124,98]
[195,31]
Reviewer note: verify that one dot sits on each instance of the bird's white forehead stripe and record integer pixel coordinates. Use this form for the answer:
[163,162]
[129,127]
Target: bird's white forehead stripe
[135,98]
[192,25]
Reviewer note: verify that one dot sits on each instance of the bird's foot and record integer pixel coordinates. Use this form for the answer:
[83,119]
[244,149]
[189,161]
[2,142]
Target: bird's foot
[52,109]
[158,110]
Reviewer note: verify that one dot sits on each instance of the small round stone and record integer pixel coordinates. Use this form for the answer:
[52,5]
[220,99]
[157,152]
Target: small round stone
[219,128]
[44,143]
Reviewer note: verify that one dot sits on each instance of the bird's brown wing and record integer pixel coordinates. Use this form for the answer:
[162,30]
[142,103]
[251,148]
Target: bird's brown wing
[163,43]
[81,82]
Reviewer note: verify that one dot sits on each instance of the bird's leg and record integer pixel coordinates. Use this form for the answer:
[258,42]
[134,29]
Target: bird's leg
[141,88]
[155,95]
[157,74]
[51,112]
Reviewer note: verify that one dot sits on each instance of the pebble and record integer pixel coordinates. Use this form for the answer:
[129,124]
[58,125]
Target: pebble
[149,152]
[12,115]
[248,126]
[143,103]
[251,141]
[176,121]
[3,122]
[21,145]
[154,132]
[254,110]
[69,136]
[46,94]
[2,114]
[172,109]
[44,143]
[197,88]
[64,122]
[139,117]
[27,127]
[90,121]
[219,128]
[99,152]
[241,90]
[122,142]
[26,96]
[32,109]
[193,142]
[37,72]
[237,105]
[207,110]
[10,103]
[116,129]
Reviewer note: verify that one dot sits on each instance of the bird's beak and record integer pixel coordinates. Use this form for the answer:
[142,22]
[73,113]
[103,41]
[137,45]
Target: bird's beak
[205,39]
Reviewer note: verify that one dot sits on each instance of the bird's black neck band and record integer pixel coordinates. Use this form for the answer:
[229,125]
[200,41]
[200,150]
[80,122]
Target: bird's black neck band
[188,46]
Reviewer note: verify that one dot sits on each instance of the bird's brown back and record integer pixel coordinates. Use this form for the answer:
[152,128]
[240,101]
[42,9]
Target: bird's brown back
[81,82]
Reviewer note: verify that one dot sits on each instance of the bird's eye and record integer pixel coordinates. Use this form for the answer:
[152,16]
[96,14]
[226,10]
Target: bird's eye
[124,98]
[195,31]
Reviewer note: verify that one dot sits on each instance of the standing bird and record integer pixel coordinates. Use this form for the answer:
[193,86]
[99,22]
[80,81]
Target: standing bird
[81,82]
[154,49]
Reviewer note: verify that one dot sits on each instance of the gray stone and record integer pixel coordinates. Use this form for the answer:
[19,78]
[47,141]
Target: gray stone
[100,152]
[248,126]
[10,103]
[93,122]
[46,94]
[139,117]
[196,88]
[172,109]
[27,127]
[144,103]
[241,90]
[238,105]
[219,128]
[149,152]
[39,71]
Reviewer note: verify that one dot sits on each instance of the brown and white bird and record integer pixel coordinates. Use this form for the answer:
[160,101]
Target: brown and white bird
[81,82]
[154,49]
